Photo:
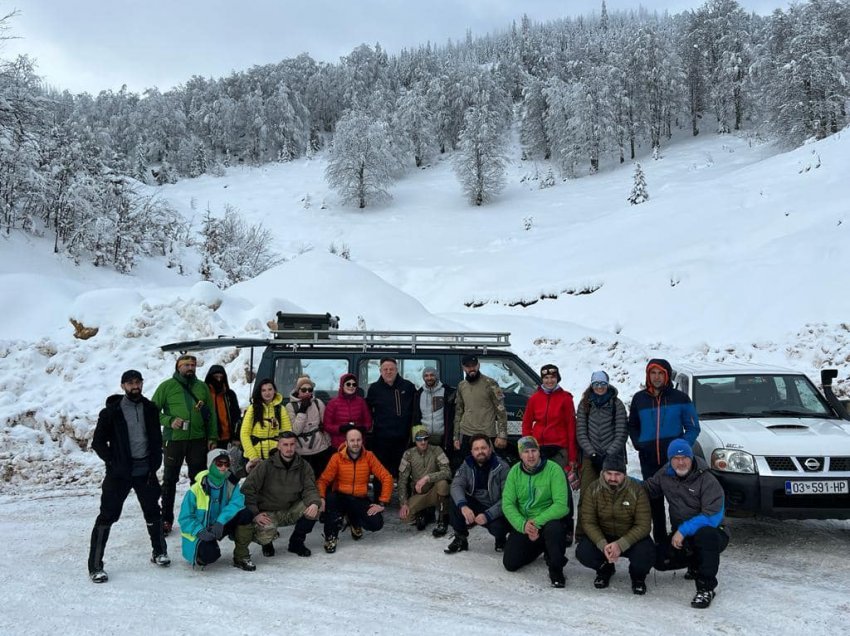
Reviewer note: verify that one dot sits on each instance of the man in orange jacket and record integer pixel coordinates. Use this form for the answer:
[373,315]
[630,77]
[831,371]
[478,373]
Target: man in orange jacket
[349,470]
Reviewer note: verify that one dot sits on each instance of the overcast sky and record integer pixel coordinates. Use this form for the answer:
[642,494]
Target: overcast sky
[91,45]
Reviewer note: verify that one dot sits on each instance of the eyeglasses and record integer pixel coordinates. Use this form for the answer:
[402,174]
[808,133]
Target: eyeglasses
[598,385]
[222,461]
[421,438]
[306,389]
[350,384]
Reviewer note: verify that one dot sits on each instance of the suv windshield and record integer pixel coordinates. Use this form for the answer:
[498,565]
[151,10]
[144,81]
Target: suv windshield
[766,395]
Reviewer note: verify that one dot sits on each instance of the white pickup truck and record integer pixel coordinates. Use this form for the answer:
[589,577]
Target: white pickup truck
[779,447]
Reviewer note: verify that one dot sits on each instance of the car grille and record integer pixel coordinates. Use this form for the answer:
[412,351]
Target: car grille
[781,463]
[839,464]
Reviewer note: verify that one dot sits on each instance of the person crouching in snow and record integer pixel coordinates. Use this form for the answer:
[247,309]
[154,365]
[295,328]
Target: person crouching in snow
[211,509]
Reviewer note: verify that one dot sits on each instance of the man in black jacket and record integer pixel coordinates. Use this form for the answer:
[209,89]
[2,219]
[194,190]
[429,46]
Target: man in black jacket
[390,399]
[128,439]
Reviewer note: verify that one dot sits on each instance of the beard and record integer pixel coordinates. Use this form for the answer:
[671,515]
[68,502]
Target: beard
[472,376]
[134,395]
[189,374]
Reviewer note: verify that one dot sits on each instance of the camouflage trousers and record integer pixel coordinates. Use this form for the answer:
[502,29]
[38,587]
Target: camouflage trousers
[435,496]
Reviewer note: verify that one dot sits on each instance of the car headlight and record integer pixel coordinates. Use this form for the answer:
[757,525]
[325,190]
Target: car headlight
[732,461]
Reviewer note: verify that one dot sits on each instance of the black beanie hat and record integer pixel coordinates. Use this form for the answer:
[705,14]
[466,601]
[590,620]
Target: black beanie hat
[549,369]
[615,463]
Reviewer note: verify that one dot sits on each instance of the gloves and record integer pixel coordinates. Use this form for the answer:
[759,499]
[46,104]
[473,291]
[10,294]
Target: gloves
[218,531]
[596,460]
[574,480]
[206,535]
[303,405]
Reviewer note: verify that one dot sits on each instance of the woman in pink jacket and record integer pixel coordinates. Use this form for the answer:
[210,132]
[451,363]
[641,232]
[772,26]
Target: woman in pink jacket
[346,408]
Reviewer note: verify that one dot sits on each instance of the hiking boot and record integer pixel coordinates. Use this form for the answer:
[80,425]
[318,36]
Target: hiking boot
[99,576]
[162,560]
[300,549]
[557,578]
[702,599]
[268,549]
[440,529]
[603,576]
[166,527]
[244,564]
[421,521]
[330,543]
[356,532]
[638,587]
[458,544]
[499,546]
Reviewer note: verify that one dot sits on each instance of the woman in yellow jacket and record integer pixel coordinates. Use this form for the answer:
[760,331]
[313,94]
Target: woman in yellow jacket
[264,419]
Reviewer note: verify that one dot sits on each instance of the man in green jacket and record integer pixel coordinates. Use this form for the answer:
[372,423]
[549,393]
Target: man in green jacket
[616,519]
[479,408]
[535,503]
[189,429]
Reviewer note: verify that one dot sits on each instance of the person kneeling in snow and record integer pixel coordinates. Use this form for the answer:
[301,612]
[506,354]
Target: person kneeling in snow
[347,475]
[212,508]
[696,503]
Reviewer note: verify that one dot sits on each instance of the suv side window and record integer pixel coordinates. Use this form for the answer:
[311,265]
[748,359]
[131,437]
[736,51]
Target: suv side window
[408,368]
[325,372]
[510,376]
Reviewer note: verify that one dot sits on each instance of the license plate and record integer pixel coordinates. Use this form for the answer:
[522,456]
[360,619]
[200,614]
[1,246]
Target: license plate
[816,488]
[514,427]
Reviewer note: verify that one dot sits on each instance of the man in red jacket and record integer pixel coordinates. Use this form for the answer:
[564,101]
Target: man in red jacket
[550,417]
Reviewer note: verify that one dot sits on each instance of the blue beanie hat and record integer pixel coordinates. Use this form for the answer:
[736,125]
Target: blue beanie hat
[679,447]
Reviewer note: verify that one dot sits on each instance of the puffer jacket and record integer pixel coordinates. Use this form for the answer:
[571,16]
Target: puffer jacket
[273,486]
[621,514]
[696,500]
[259,438]
[540,495]
[551,419]
[346,409]
[602,428]
[312,438]
[351,476]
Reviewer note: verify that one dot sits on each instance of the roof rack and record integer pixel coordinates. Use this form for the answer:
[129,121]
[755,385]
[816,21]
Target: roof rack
[390,339]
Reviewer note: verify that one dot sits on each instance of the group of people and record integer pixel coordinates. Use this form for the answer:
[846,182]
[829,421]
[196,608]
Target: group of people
[299,461]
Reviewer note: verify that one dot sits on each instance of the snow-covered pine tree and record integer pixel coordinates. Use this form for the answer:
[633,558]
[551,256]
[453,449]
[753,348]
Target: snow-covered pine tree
[639,193]
[361,162]
[481,158]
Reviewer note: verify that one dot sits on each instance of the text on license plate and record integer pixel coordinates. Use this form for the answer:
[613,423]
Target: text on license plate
[833,487]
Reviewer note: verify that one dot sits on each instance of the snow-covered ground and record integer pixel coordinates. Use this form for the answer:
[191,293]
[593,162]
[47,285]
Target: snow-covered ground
[739,254]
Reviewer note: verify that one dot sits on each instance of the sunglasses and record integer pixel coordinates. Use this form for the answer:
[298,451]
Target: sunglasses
[222,461]
[598,385]
[306,389]
[350,384]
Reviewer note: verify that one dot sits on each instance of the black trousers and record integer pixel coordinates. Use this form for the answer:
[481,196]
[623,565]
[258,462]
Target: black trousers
[559,456]
[319,461]
[209,551]
[700,552]
[194,453]
[388,450]
[641,556]
[648,467]
[520,550]
[499,527]
[338,504]
[113,494]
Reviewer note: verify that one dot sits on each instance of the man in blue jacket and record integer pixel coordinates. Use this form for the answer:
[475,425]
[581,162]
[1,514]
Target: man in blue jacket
[658,415]
[696,511]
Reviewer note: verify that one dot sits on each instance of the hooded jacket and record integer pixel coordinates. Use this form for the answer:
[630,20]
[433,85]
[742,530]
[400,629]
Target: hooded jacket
[351,476]
[259,438]
[226,406]
[551,419]
[345,409]
[274,486]
[539,495]
[111,440]
[655,420]
[179,397]
[463,485]
[204,505]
